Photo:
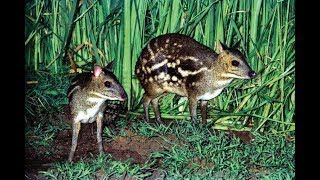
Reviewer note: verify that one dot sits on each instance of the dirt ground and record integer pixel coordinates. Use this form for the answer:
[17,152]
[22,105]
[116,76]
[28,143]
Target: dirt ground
[132,147]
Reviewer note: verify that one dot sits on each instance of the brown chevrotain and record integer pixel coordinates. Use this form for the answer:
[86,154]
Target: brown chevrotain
[175,63]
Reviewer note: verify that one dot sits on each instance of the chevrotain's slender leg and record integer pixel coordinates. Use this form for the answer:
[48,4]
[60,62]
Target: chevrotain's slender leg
[155,105]
[146,101]
[193,109]
[76,128]
[203,107]
[99,131]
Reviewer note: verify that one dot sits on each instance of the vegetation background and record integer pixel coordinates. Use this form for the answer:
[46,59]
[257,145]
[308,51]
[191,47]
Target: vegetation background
[89,32]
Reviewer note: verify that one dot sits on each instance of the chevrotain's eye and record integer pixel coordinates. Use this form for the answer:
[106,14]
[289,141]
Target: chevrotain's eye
[235,63]
[107,84]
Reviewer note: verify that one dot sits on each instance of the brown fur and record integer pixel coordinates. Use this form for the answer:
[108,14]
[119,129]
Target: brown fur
[85,87]
[178,64]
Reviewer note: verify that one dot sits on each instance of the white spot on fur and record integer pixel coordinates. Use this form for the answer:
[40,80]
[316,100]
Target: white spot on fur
[174,78]
[156,66]
[148,70]
[161,75]
[191,58]
[144,61]
[167,40]
[144,69]
[167,77]
[185,73]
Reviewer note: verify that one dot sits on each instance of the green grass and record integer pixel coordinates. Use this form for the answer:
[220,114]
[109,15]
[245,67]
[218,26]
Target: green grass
[91,169]
[43,101]
[228,155]
[38,136]
[46,95]
[119,30]
[197,153]
[80,170]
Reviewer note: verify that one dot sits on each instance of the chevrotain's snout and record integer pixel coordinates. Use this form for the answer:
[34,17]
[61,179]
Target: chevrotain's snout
[124,96]
[118,93]
[252,74]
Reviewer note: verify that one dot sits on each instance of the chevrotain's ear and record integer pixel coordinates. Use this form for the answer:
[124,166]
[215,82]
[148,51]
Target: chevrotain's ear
[97,71]
[222,46]
[110,66]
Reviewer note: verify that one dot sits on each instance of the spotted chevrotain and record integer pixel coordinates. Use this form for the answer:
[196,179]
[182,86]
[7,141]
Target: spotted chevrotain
[87,95]
[175,63]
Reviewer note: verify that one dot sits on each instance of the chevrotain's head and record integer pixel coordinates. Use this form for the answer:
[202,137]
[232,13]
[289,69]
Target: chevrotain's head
[105,85]
[234,63]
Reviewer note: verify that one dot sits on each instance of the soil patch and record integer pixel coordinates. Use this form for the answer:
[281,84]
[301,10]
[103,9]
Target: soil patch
[132,147]
[136,148]
[245,136]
